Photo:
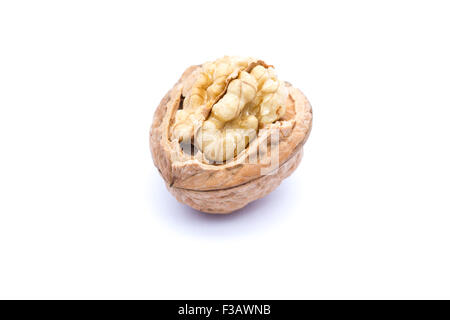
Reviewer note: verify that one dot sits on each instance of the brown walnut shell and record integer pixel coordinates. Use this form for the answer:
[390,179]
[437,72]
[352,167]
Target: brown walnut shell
[230,186]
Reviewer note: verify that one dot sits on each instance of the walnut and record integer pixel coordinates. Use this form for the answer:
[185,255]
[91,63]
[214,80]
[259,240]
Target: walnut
[228,133]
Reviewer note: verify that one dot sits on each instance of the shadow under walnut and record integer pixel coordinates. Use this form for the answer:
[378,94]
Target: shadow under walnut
[228,187]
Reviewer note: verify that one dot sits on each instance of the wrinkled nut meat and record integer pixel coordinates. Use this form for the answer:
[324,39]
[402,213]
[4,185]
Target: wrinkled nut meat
[228,133]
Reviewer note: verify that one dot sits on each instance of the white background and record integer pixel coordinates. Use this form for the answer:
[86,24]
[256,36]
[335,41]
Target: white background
[84,213]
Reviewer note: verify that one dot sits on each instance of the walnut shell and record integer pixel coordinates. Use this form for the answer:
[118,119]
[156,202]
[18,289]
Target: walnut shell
[227,187]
